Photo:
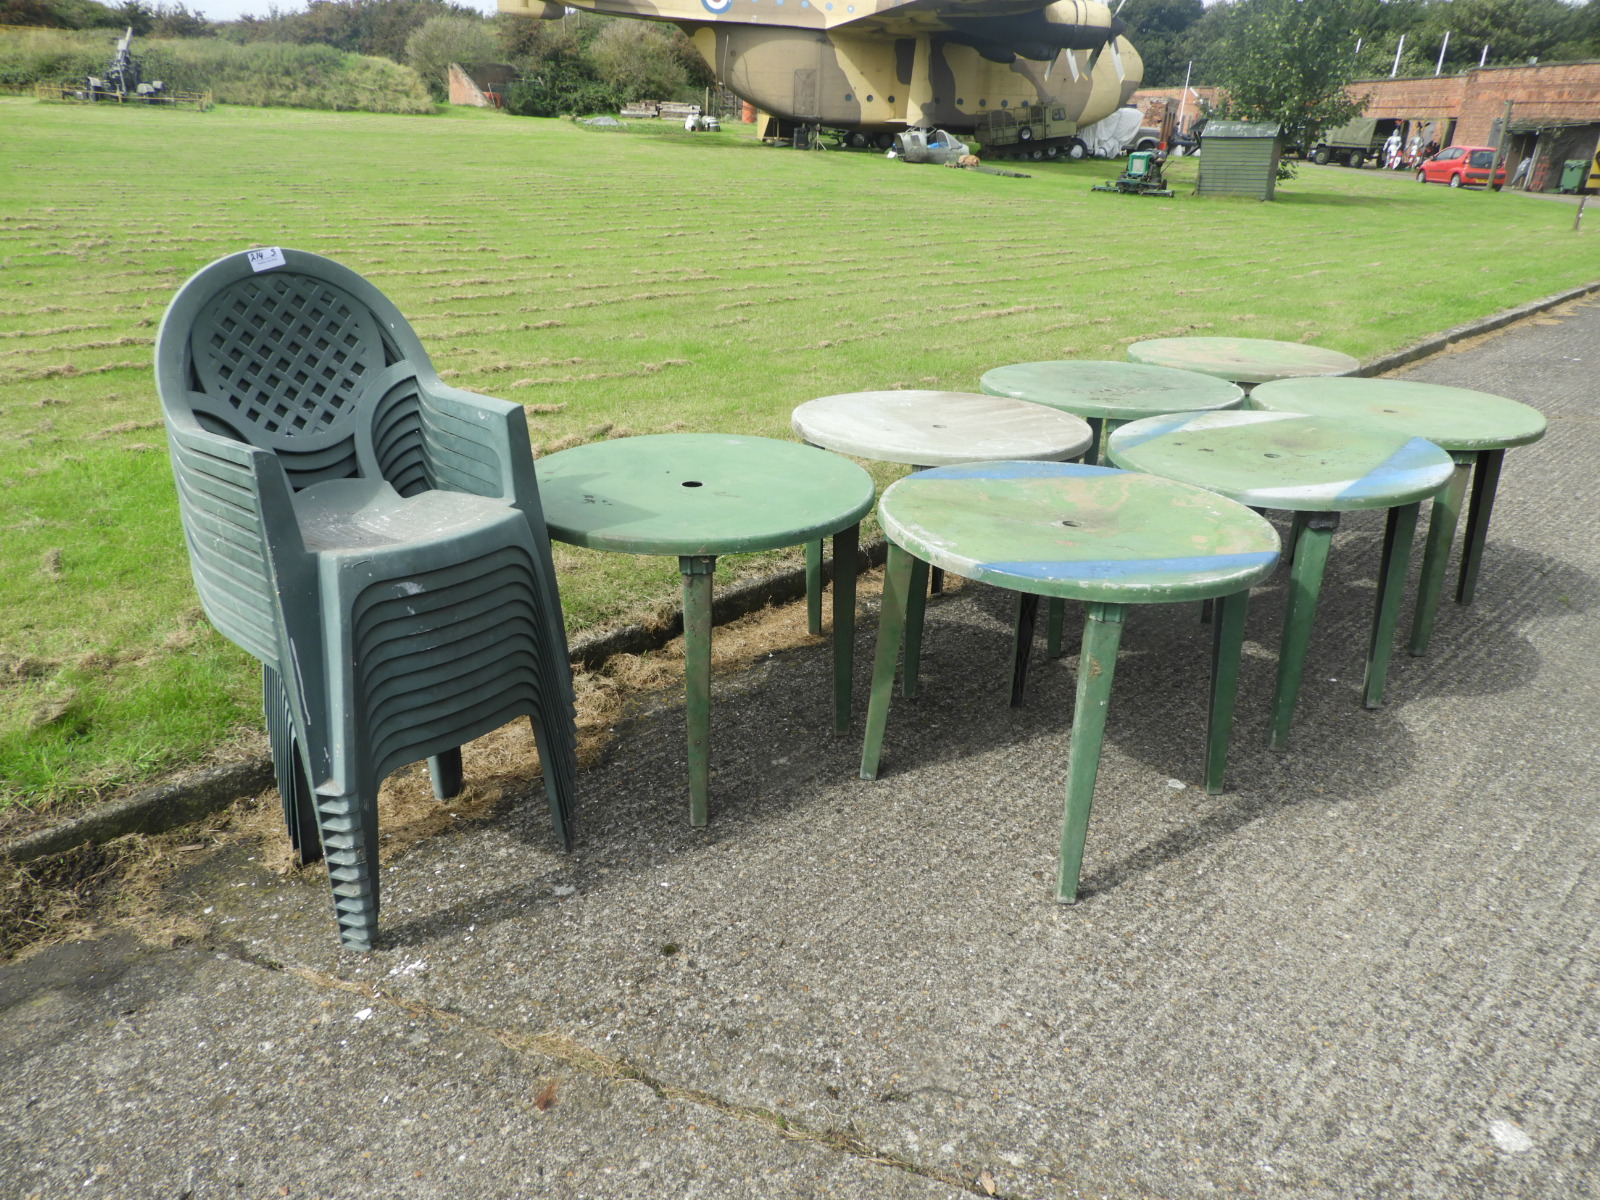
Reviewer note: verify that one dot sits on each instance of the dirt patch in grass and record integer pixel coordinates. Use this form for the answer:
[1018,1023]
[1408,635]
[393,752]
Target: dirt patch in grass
[122,884]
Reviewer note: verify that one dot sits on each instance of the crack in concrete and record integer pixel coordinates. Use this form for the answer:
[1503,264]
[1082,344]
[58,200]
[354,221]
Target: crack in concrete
[580,1057]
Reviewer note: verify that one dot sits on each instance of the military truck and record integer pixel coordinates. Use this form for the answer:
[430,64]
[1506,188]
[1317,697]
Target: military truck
[1355,143]
[1030,131]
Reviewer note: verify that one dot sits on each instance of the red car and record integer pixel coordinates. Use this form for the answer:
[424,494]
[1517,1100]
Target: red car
[1462,166]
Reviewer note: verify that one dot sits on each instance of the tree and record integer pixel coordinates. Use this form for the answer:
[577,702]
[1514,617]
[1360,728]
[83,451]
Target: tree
[1157,28]
[641,59]
[440,41]
[1288,61]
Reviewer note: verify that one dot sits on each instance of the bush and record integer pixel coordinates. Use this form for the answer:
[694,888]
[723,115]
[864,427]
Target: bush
[439,41]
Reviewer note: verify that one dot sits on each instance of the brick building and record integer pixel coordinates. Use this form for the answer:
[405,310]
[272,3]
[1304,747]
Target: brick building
[1554,111]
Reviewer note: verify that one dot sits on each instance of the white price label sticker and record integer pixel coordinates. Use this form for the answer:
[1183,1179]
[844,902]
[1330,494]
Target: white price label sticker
[266,258]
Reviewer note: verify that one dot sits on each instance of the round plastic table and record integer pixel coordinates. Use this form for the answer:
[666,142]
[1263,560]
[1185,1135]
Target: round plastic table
[1109,538]
[1108,394]
[699,496]
[1476,428]
[1317,470]
[933,429]
[1242,360]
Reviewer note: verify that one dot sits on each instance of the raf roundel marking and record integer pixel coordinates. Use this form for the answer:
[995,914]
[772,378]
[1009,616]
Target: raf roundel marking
[717,6]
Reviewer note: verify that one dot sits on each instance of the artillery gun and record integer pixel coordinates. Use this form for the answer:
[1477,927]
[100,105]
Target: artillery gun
[122,80]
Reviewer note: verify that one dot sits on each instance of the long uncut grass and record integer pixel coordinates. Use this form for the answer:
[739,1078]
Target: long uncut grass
[259,73]
[615,283]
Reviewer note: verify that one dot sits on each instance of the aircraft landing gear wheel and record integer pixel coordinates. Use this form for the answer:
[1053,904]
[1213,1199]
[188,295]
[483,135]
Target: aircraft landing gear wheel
[1076,150]
[858,140]
[883,141]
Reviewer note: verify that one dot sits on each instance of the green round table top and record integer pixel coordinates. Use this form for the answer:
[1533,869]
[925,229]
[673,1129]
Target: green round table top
[1243,360]
[1453,418]
[699,494]
[1122,391]
[1281,460]
[1080,532]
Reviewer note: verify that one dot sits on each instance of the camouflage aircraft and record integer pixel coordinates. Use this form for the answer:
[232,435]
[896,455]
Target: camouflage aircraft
[877,67]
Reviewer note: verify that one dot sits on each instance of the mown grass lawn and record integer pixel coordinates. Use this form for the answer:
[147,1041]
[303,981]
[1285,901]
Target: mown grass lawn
[616,282]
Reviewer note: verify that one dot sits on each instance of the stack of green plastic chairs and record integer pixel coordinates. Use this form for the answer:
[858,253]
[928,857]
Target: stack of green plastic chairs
[371,535]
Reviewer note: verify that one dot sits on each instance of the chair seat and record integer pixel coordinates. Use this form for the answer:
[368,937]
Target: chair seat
[368,514]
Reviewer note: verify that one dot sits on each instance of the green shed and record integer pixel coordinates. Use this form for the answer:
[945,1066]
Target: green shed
[1239,159]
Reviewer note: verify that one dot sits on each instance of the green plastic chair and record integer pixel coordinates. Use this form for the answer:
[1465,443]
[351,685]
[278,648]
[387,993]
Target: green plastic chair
[372,536]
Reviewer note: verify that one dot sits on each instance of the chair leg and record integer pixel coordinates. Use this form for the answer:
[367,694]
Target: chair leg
[560,770]
[1022,644]
[1227,644]
[697,570]
[349,823]
[1310,551]
[846,544]
[288,770]
[814,588]
[1102,633]
[1398,532]
[898,584]
[445,770]
[1485,482]
[1443,517]
[916,604]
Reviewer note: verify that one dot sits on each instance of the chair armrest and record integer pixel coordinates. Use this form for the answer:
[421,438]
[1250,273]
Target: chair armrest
[256,580]
[479,444]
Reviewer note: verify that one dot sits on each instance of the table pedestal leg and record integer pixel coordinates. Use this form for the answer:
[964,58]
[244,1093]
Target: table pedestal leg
[917,602]
[814,588]
[1056,614]
[697,570]
[1485,480]
[1102,631]
[845,544]
[1227,644]
[1443,517]
[1397,534]
[1022,644]
[897,587]
[1310,550]
[1096,439]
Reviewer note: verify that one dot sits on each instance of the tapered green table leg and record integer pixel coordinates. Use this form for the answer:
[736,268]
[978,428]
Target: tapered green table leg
[1485,482]
[1102,631]
[845,544]
[1097,444]
[1227,645]
[1443,518]
[697,570]
[917,603]
[1398,532]
[814,588]
[1310,552]
[1054,617]
[897,585]
[1022,644]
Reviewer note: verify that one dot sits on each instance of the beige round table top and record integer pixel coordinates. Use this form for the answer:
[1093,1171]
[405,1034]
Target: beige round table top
[1242,360]
[935,429]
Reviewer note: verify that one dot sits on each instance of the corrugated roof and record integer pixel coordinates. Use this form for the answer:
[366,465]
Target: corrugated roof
[1245,129]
